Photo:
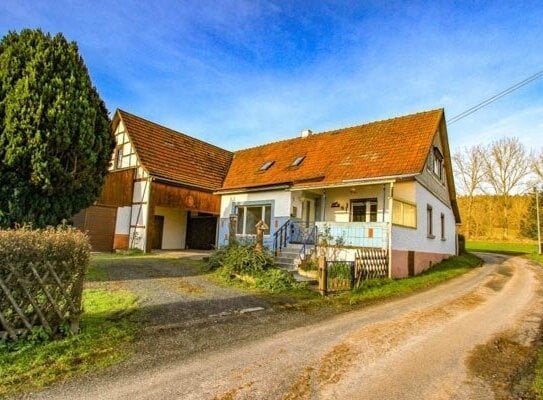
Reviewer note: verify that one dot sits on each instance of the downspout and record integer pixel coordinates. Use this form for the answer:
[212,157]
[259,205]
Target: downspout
[390,208]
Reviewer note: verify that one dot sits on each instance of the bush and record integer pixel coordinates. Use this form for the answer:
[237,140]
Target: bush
[310,265]
[241,259]
[256,268]
[276,280]
[43,273]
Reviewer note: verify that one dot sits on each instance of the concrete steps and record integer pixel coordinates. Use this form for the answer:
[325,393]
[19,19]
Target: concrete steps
[289,259]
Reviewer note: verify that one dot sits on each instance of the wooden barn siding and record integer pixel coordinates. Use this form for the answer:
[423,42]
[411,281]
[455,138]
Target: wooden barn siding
[118,188]
[163,195]
[99,223]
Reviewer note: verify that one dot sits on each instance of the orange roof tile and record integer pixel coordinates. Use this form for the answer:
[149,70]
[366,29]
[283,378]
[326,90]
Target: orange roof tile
[173,155]
[390,147]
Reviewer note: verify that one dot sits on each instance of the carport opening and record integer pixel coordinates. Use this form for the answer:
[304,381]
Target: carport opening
[177,229]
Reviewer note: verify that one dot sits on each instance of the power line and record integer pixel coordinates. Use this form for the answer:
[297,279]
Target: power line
[498,96]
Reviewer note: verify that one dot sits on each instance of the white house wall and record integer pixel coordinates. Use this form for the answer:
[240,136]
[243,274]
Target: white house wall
[343,196]
[427,250]
[140,212]
[281,205]
[175,227]
[122,224]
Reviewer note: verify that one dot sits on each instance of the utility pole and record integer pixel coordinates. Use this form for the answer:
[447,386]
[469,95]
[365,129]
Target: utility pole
[538,221]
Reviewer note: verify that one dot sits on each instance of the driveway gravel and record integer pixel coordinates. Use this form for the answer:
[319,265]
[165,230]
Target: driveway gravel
[416,347]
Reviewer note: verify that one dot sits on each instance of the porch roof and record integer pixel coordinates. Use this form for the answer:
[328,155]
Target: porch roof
[392,147]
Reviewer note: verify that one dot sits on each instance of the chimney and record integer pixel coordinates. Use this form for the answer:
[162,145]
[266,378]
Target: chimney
[306,133]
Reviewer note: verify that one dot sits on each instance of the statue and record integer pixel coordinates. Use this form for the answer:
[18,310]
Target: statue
[260,228]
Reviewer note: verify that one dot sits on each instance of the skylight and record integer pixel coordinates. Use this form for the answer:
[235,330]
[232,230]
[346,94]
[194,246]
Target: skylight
[297,161]
[266,165]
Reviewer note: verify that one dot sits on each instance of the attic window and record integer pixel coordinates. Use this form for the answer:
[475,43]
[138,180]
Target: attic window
[297,161]
[437,166]
[266,166]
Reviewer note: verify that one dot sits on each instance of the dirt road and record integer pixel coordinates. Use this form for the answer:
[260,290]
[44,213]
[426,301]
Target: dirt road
[413,348]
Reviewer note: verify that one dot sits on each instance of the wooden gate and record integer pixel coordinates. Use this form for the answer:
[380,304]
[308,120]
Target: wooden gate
[99,223]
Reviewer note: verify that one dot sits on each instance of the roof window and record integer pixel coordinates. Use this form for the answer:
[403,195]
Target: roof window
[297,161]
[266,166]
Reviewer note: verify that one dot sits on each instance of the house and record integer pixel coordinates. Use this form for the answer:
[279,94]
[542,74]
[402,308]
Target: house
[385,185]
[159,192]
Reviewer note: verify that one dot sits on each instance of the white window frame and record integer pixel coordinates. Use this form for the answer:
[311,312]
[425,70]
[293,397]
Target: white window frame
[245,206]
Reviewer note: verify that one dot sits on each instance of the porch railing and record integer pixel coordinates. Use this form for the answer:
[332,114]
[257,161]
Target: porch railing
[356,234]
[295,232]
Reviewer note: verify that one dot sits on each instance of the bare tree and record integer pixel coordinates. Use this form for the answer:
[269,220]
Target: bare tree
[506,164]
[469,172]
[538,165]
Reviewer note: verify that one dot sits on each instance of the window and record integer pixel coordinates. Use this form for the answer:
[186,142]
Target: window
[364,210]
[404,214]
[437,164]
[119,157]
[442,226]
[266,166]
[297,161]
[429,221]
[248,217]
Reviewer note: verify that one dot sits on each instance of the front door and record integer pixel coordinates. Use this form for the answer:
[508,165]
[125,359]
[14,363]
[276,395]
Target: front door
[158,229]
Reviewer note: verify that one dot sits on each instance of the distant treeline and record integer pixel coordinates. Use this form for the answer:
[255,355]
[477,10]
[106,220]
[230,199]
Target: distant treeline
[497,183]
[487,218]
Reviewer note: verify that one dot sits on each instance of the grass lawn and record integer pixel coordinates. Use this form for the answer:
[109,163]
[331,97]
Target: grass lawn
[501,247]
[108,325]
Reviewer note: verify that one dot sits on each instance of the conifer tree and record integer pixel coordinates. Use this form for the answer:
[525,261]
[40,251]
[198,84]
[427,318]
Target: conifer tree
[55,143]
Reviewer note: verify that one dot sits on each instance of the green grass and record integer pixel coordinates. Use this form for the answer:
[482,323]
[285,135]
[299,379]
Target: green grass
[107,326]
[537,383]
[371,291]
[501,247]
[387,288]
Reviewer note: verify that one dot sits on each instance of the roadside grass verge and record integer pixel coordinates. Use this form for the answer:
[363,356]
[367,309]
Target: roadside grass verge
[108,325]
[537,383]
[371,291]
[386,288]
[501,247]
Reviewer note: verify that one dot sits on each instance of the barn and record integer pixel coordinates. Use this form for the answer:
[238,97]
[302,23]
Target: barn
[158,193]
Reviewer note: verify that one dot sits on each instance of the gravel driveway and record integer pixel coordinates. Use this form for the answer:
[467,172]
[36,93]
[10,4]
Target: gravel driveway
[412,348]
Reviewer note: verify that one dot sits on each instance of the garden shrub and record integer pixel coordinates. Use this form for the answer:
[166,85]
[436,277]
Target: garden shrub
[242,259]
[256,268]
[43,272]
[276,280]
[310,265]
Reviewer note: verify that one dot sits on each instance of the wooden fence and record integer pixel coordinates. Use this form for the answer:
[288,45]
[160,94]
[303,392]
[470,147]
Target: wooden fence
[336,276]
[45,294]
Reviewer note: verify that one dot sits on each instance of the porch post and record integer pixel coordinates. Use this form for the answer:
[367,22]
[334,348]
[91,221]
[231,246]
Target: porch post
[390,208]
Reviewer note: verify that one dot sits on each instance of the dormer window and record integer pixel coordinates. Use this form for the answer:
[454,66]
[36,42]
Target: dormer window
[266,166]
[297,161]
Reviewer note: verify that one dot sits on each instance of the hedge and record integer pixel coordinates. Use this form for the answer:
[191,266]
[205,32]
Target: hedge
[41,280]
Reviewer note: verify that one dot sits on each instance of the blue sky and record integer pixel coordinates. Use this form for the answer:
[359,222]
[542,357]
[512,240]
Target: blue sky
[242,73]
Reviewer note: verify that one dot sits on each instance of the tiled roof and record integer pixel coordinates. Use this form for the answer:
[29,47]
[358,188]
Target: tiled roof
[390,147]
[173,155]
